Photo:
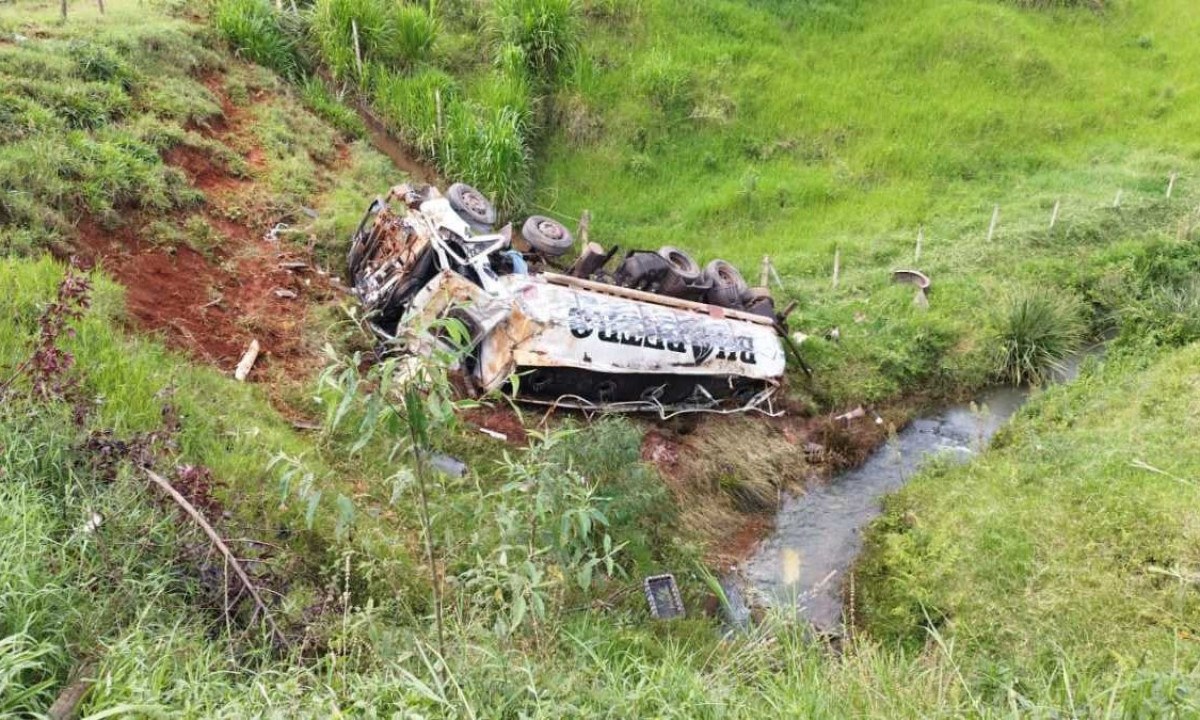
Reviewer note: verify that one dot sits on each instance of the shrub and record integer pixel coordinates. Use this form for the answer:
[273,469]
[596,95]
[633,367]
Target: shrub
[547,31]
[256,31]
[1036,332]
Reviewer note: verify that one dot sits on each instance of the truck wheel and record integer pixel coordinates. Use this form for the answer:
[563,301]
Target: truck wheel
[683,273]
[472,205]
[727,284]
[548,237]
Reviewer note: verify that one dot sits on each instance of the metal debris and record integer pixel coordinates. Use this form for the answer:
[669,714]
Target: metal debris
[662,594]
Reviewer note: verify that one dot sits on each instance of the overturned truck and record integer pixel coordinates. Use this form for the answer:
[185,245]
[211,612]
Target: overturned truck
[657,333]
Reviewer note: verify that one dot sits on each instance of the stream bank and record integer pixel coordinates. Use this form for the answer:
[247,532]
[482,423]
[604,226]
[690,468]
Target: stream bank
[802,564]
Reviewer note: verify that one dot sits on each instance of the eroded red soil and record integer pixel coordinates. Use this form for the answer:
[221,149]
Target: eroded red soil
[213,304]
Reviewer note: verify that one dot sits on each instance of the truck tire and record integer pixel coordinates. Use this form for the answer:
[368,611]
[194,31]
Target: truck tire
[548,237]
[727,284]
[683,273]
[472,205]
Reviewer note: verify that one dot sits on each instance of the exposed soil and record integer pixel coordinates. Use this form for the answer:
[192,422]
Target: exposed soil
[501,419]
[212,305]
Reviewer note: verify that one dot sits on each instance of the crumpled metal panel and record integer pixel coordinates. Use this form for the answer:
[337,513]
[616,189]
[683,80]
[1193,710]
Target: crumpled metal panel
[555,326]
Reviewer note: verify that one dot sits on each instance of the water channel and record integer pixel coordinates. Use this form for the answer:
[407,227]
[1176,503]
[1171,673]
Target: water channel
[802,564]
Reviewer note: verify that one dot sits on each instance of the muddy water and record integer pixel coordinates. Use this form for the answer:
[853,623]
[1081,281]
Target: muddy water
[802,564]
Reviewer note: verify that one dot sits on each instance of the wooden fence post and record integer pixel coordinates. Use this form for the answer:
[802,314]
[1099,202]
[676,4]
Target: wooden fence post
[995,220]
[837,264]
[1117,200]
[1054,213]
[357,49]
[920,241]
[1171,184]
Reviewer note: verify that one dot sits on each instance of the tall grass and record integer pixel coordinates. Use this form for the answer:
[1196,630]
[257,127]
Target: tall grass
[548,33]
[1035,334]
[395,35]
[258,33]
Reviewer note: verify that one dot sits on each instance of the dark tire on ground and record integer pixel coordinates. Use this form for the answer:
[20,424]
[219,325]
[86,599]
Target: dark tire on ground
[548,237]
[683,273]
[472,205]
[727,284]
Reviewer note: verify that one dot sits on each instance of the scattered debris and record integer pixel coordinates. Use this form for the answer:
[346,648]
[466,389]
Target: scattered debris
[662,594]
[247,362]
[659,333]
[293,265]
[285,294]
[493,434]
[273,234]
[854,414]
[912,277]
[447,465]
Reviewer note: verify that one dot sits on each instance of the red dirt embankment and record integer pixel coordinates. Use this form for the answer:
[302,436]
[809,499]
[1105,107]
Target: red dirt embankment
[211,305]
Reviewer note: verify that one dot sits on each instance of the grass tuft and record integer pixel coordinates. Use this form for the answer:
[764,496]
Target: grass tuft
[1035,334]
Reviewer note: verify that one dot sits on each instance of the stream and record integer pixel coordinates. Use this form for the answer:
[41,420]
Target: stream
[817,535]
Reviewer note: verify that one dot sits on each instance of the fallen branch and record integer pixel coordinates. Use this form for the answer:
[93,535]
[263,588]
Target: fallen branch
[221,547]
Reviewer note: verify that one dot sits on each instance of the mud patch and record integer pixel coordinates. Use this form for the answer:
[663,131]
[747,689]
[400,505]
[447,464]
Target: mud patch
[500,419]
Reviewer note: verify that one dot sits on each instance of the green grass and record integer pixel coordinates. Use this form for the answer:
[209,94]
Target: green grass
[791,129]
[1069,550]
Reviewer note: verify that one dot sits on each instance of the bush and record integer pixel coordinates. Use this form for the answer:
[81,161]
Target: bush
[1036,333]
[547,31]
[256,31]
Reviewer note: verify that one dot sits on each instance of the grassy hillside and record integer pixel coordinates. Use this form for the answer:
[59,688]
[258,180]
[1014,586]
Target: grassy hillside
[792,129]
[802,130]
[1054,576]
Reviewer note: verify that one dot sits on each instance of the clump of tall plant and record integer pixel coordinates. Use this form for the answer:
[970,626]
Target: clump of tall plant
[261,34]
[353,34]
[546,34]
[1034,335]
